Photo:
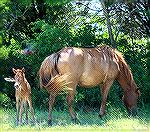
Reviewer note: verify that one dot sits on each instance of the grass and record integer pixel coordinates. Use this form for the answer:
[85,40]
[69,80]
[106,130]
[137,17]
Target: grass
[115,120]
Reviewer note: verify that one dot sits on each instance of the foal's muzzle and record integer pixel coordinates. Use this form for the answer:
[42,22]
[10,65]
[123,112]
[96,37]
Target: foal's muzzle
[16,85]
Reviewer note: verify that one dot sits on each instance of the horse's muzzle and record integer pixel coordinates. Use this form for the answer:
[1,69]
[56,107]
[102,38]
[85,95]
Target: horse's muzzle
[16,85]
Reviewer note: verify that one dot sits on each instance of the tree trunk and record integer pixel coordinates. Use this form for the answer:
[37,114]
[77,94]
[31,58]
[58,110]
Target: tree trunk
[106,14]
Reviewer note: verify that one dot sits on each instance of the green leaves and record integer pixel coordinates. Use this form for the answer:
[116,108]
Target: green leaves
[57,2]
[4,1]
[4,52]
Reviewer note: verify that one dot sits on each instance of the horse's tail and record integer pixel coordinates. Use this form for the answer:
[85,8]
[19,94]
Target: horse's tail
[58,84]
[48,69]
[50,77]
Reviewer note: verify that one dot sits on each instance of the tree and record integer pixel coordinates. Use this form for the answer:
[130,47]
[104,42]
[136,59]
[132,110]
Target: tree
[106,14]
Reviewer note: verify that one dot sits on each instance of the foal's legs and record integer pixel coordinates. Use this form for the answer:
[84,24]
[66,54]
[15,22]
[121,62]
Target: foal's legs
[31,108]
[70,101]
[21,110]
[26,110]
[104,92]
[51,102]
[17,113]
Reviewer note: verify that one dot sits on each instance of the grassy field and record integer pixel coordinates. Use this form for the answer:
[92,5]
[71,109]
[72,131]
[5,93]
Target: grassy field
[115,120]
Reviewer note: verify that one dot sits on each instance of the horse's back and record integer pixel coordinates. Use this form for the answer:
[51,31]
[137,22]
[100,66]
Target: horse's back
[88,66]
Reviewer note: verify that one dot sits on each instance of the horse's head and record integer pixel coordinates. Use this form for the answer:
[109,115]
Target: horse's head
[130,101]
[19,76]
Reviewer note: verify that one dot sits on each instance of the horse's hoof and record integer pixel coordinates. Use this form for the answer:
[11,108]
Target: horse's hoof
[27,122]
[33,123]
[17,124]
[75,121]
[101,116]
[49,122]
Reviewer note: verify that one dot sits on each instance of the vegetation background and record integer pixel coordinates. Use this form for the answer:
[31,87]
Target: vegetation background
[30,30]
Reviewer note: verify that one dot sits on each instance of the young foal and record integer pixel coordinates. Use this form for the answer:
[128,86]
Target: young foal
[22,93]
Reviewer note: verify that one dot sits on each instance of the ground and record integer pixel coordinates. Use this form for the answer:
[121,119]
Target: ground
[115,120]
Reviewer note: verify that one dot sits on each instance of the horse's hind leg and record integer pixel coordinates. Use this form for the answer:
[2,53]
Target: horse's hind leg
[51,102]
[104,92]
[70,100]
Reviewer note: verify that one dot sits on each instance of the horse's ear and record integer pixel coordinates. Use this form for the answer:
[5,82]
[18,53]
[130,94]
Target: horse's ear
[138,92]
[23,69]
[14,70]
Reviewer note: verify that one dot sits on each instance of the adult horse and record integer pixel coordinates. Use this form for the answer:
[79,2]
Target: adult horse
[88,67]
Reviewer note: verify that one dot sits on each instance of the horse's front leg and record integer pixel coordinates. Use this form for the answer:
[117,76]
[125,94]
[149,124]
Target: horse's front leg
[51,102]
[104,92]
[21,111]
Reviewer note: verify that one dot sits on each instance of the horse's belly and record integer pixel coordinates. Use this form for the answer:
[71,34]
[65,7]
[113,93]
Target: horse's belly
[90,80]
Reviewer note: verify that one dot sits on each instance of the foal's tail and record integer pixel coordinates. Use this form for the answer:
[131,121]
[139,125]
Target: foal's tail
[50,77]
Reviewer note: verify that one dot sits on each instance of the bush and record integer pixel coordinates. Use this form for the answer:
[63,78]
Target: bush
[5,101]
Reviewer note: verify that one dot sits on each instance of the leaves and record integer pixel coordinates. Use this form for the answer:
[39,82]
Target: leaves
[46,26]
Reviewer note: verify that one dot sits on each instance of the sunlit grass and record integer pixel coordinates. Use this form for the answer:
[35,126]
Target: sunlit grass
[115,120]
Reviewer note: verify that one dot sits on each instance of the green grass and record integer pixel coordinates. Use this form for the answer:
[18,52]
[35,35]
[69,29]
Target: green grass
[115,120]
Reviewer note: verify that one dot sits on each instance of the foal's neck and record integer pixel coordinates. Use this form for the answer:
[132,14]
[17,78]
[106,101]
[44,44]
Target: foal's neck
[24,83]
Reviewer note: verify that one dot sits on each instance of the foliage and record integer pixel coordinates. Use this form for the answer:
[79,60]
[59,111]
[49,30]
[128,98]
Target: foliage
[44,27]
[5,101]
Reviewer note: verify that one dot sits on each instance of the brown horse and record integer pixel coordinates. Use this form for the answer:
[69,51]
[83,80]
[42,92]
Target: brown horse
[88,67]
[22,93]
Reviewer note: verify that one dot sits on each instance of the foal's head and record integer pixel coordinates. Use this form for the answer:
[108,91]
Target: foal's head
[19,76]
[130,99]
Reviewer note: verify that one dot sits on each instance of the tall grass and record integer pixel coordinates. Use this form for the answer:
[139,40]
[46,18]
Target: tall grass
[116,119]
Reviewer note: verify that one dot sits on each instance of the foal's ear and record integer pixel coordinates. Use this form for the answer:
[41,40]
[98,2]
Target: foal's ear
[14,70]
[23,69]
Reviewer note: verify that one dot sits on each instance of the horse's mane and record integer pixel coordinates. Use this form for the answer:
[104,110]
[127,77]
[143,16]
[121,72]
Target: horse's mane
[125,71]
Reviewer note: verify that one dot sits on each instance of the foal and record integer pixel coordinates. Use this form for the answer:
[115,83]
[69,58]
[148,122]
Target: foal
[22,93]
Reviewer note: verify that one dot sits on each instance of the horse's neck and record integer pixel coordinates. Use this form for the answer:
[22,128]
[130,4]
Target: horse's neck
[127,85]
